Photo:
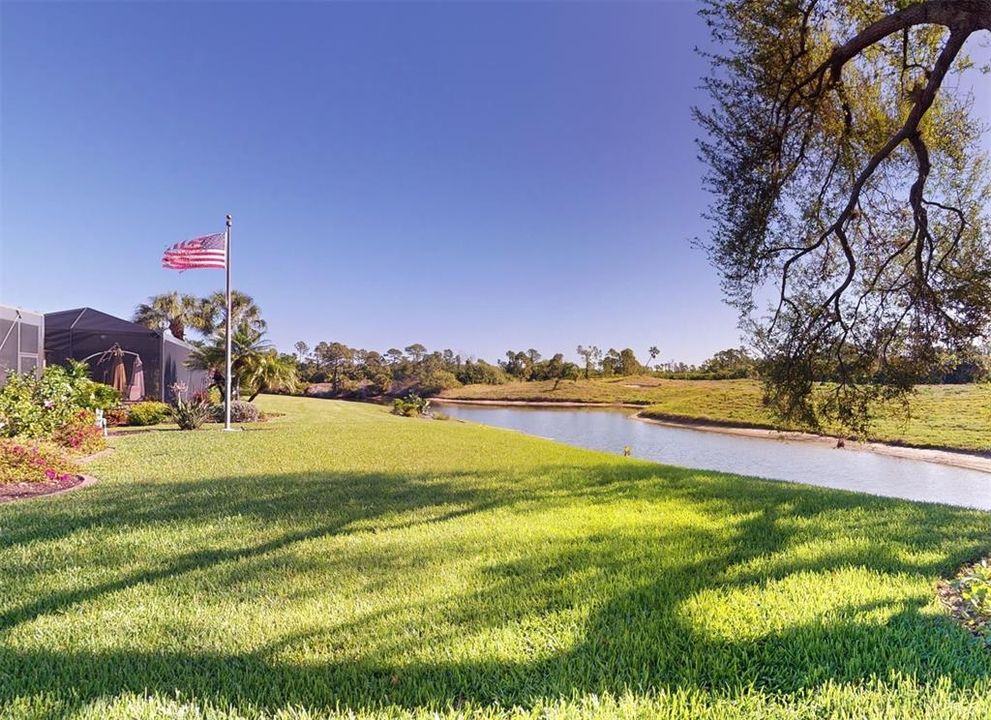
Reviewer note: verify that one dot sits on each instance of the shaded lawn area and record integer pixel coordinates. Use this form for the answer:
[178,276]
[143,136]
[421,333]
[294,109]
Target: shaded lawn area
[943,416]
[341,560]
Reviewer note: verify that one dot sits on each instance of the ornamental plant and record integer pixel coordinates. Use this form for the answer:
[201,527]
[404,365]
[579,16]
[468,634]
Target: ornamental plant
[241,412]
[117,416]
[148,413]
[33,462]
[37,407]
[81,434]
[410,406]
[190,414]
[972,588]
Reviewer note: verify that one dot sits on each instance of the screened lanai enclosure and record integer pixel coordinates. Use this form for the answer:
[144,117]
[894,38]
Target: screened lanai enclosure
[152,360]
[22,335]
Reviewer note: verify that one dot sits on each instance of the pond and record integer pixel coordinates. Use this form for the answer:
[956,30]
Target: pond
[777,459]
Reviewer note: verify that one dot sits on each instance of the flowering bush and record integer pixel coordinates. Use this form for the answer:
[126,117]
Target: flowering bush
[34,407]
[33,462]
[81,434]
[37,407]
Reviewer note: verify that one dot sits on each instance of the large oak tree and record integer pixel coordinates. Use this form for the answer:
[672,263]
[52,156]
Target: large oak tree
[849,220]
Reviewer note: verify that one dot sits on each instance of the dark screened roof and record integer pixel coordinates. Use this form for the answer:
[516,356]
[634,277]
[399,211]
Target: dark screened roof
[86,319]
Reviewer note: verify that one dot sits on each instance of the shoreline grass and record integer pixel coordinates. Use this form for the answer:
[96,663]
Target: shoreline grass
[343,562]
[953,417]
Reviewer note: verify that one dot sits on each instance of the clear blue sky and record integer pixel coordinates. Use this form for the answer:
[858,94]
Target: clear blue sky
[476,176]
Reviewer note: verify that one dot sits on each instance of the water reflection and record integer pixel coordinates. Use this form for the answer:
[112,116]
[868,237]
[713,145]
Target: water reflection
[792,461]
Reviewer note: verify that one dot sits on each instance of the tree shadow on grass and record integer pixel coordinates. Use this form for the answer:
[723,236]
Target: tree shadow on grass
[667,603]
[319,505]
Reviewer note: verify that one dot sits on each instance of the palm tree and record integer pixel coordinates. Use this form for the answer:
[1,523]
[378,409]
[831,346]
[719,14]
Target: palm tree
[654,352]
[269,371]
[168,310]
[247,344]
[212,311]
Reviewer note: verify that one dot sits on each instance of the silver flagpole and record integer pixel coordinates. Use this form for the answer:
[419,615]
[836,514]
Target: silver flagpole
[227,395]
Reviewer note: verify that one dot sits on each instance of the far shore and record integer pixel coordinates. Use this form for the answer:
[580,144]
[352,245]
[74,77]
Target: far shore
[955,458]
[539,403]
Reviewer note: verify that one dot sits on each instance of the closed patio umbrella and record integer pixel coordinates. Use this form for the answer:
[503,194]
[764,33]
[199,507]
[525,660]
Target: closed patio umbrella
[117,372]
[137,390]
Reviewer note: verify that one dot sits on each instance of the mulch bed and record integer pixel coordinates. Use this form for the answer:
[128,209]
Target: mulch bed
[22,491]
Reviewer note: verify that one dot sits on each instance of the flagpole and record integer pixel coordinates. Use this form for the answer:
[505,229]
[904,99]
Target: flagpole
[227,395]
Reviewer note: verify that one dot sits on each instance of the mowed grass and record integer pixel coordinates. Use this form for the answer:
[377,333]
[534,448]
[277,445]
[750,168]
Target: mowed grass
[943,416]
[342,562]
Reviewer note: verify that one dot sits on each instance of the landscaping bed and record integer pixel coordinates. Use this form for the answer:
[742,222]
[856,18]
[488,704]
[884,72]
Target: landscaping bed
[24,490]
[48,428]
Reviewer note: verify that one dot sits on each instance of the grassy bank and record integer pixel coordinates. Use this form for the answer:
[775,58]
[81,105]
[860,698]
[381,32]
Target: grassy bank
[341,560]
[950,416]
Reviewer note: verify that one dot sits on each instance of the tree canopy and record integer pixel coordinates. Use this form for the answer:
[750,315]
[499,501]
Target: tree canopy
[848,187]
[179,312]
[170,310]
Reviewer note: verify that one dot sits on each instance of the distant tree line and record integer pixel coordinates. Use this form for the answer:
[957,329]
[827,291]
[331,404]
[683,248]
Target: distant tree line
[356,372]
[342,371]
[336,369]
[530,365]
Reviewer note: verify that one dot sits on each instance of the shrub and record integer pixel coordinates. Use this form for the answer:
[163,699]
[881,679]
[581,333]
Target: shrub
[244,412]
[148,413]
[81,434]
[434,380]
[97,396]
[116,416]
[970,597]
[190,414]
[481,373]
[33,462]
[36,407]
[241,412]
[410,406]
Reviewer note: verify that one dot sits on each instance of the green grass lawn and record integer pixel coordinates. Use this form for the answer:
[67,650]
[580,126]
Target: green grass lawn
[340,562]
[946,416]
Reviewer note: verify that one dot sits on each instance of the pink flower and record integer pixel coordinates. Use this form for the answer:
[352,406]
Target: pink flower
[50,474]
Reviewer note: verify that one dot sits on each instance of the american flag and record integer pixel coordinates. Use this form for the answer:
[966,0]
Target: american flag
[209,251]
